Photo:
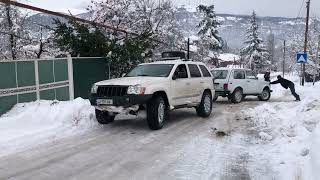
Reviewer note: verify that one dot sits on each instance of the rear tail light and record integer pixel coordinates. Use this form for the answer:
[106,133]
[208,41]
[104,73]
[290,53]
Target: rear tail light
[225,87]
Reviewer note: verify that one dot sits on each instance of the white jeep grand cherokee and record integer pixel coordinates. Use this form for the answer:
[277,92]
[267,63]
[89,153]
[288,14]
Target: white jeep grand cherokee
[237,83]
[155,88]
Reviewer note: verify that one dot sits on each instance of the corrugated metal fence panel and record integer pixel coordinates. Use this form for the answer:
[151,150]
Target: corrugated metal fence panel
[8,75]
[87,71]
[26,73]
[7,102]
[46,72]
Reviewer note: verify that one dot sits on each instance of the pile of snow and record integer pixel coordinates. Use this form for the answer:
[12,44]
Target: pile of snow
[289,131]
[314,154]
[44,121]
[228,57]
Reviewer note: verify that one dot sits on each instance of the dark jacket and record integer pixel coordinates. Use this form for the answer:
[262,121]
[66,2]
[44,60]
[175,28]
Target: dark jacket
[284,83]
[267,76]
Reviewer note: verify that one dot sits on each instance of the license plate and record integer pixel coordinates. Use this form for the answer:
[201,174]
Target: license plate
[104,101]
[216,86]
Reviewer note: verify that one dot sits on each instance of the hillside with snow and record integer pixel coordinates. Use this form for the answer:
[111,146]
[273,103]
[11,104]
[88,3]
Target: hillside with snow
[232,30]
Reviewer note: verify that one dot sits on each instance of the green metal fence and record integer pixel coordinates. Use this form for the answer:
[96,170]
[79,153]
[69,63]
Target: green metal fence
[87,71]
[48,79]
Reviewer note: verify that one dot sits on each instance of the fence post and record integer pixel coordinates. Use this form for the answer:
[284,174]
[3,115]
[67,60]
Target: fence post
[36,73]
[70,77]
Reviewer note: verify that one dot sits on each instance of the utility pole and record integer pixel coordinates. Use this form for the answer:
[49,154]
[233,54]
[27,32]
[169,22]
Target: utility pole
[317,61]
[188,53]
[284,57]
[305,42]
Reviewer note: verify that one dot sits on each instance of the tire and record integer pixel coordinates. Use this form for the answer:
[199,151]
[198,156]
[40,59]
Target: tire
[236,96]
[205,107]
[215,97]
[104,117]
[265,95]
[157,113]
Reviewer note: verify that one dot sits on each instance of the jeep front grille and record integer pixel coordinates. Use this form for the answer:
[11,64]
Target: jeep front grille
[111,91]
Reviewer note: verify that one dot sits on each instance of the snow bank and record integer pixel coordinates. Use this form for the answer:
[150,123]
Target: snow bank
[286,130]
[314,154]
[44,121]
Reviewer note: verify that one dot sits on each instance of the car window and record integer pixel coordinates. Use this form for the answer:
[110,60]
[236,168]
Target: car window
[151,70]
[205,71]
[194,70]
[250,75]
[181,71]
[238,74]
[220,74]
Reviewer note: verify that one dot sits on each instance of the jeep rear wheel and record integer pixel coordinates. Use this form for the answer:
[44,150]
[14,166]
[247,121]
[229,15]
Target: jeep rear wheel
[237,96]
[156,112]
[104,117]
[205,107]
[265,95]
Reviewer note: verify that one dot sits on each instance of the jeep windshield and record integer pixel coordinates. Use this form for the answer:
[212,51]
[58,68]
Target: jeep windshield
[151,70]
[219,74]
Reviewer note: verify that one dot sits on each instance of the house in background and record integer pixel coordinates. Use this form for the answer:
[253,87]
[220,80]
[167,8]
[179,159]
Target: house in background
[229,60]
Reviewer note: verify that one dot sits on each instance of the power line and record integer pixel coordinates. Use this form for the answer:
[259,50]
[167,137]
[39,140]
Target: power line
[303,1]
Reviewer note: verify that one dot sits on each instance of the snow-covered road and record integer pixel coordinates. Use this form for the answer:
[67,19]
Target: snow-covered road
[265,140]
[186,148]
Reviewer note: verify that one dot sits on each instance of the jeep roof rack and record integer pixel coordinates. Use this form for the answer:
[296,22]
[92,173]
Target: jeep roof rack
[173,55]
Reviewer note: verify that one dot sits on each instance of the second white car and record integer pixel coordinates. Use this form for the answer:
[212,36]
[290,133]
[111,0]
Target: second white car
[237,83]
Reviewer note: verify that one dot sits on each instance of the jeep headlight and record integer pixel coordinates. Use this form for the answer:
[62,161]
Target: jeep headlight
[94,89]
[136,89]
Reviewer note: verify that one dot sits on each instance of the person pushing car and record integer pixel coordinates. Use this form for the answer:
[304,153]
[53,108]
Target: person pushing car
[287,84]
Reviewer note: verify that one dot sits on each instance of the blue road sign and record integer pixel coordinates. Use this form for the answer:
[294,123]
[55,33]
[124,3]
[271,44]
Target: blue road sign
[302,57]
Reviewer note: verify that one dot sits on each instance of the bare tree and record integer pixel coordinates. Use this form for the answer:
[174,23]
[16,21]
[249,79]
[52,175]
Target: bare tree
[12,32]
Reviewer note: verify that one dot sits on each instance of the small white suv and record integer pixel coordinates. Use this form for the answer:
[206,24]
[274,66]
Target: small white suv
[237,83]
[155,88]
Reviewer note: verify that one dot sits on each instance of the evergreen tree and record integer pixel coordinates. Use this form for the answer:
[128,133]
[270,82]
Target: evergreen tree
[255,54]
[211,42]
[82,40]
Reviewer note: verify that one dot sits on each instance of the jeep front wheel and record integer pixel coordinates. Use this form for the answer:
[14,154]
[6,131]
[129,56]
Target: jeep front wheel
[205,107]
[104,117]
[156,112]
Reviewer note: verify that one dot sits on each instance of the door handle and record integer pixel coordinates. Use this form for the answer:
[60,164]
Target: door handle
[188,84]
[248,81]
[201,82]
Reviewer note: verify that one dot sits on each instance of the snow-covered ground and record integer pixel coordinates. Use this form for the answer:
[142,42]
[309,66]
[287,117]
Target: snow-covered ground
[29,124]
[278,139]
[289,131]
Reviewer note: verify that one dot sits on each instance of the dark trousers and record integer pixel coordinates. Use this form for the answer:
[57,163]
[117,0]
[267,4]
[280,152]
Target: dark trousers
[293,92]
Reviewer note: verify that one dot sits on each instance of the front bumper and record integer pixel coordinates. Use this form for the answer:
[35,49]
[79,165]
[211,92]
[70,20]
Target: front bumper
[122,101]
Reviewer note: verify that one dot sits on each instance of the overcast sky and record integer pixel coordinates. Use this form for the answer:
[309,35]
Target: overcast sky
[287,8]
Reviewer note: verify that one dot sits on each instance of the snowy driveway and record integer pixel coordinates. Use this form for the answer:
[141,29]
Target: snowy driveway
[187,148]
[264,141]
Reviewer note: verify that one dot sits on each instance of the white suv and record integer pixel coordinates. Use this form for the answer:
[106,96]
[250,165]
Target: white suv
[237,83]
[155,88]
